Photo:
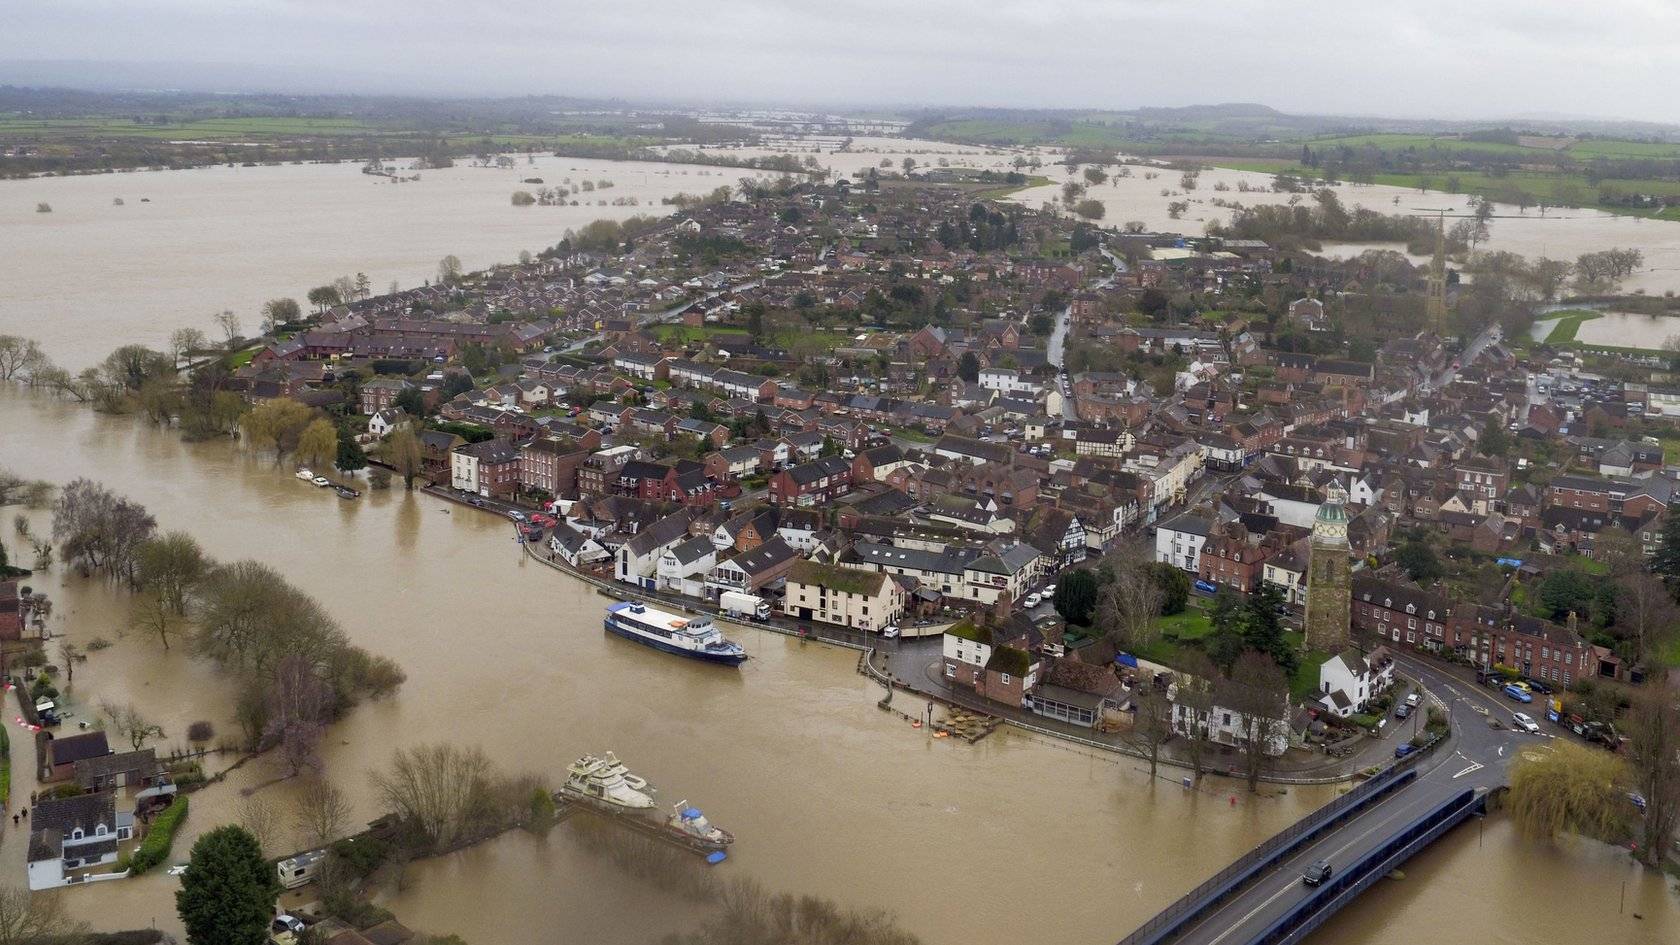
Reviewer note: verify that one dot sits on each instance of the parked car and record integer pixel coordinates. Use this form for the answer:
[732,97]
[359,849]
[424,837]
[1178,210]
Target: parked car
[1518,693]
[1523,721]
[1317,873]
[890,631]
[1033,600]
[1412,699]
[1403,711]
[286,922]
[1049,591]
[1403,749]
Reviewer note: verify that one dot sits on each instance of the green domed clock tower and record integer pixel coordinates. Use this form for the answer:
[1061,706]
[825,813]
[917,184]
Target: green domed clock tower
[1329,582]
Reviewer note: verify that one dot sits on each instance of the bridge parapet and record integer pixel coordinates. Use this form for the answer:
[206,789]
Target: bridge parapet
[1171,921]
[1328,898]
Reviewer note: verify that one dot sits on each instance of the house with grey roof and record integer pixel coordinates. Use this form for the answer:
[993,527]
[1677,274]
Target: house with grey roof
[69,834]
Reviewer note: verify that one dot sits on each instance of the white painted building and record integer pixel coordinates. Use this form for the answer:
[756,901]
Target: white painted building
[1348,681]
[1179,542]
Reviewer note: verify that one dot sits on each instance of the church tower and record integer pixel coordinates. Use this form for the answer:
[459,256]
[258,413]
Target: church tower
[1329,583]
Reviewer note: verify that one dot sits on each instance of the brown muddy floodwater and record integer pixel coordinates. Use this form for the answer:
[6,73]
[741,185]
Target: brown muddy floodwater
[1014,839]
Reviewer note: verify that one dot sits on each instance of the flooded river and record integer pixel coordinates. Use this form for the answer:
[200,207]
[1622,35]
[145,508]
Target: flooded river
[826,793]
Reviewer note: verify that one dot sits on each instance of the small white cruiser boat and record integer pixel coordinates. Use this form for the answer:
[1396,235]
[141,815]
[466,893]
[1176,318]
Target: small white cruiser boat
[692,826]
[605,782]
[306,475]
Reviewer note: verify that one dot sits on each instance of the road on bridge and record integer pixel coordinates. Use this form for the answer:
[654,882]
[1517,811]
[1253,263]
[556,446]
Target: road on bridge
[1476,756]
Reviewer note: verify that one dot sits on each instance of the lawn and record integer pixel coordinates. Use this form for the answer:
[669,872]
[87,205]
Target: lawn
[694,334]
[1192,623]
[1563,332]
[1670,654]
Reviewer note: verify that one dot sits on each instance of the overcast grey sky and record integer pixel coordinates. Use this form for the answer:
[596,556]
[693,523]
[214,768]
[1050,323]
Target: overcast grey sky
[1466,58]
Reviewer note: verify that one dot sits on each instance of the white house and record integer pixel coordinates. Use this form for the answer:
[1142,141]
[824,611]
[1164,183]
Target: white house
[576,548]
[71,833]
[638,559]
[1348,681]
[463,471]
[1009,381]
[1228,727]
[1179,542]
[1012,570]
[849,597]
[384,422]
[683,567]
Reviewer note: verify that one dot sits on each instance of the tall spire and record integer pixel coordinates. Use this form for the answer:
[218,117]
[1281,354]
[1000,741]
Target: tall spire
[1436,309]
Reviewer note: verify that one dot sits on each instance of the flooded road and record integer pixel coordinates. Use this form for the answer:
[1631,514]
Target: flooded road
[825,792]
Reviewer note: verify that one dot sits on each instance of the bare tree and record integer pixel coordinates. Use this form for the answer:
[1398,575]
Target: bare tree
[19,357]
[69,652]
[449,269]
[1195,700]
[1654,755]
[1151,723]
[1643,605]
[320,811]
[184,341]
[127,722]
[262,821]
[228,322]
[299,705]
[28,919]
[99,530]
[442,789]
[1129,606]
[151,613]
[1258,693]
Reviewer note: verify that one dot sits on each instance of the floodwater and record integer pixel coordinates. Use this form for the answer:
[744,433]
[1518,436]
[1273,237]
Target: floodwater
[825,792]
[187,244]
[1145,195]
[1619,329]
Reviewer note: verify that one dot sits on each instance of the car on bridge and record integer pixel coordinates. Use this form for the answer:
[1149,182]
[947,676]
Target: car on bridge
[1317,873]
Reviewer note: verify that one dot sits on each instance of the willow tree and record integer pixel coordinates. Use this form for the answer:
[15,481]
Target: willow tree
[1570,789]
[318,443]
[403,452]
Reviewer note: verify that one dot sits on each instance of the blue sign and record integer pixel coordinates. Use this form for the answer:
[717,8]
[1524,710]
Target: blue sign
[1510,562]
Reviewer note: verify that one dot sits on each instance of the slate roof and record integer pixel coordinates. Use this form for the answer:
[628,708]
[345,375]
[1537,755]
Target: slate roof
[73,748]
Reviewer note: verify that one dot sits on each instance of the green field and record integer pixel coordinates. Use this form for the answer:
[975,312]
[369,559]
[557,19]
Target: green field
[1564,331]
[208,129]
[1550,188]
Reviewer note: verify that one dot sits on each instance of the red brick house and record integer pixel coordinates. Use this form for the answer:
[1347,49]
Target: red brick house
[814,483]
[11,611]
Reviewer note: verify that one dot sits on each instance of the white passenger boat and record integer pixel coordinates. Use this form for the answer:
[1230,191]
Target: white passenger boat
[694,637]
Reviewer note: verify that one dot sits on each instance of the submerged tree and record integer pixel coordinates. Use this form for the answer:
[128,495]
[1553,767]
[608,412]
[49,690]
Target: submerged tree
[1570,789]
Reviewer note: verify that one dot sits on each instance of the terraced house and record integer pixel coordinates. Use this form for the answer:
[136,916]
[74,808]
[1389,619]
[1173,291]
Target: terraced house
[861,600]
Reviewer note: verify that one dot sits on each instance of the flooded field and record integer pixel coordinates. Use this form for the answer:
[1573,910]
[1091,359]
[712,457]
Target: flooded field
[187,244]
[1619,330]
